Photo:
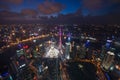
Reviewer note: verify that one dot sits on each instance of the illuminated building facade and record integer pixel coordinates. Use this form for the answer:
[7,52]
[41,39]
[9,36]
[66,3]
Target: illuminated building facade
[67,50]
[52,53]
[108,60]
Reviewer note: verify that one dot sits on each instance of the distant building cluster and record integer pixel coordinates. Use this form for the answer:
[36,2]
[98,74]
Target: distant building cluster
[38,46]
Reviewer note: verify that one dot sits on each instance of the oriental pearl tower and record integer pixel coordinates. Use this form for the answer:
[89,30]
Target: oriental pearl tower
[60,41]
[54,51]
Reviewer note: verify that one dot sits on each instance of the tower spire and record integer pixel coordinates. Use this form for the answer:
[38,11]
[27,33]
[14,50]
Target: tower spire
[60,40]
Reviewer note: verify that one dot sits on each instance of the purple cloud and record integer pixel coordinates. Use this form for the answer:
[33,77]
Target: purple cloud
[12,1]
[48,7]
[92,4]
[4,7]
[30,12]
[98,4]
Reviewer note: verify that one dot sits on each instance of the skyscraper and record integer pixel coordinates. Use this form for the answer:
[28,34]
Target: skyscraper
[67,50]
[108,60]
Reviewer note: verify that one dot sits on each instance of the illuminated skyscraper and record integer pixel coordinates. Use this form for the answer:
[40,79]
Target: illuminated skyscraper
[108,60]
[67,50]
[68,47]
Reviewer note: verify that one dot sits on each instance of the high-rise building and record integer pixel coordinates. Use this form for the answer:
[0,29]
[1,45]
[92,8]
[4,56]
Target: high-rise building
[108,60]
[67,50]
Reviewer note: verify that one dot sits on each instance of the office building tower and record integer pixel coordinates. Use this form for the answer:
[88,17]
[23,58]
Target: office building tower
[108,60]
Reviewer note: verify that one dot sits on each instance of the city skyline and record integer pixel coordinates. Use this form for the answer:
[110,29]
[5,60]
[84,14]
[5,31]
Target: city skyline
[52,52]
[59,39]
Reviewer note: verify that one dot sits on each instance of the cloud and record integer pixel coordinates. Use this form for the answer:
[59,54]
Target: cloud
[48,7]
[99,4]
[29,12]
[12,1]
[115,1]
[78,12]
[92,4]
[9,14]
[4,7]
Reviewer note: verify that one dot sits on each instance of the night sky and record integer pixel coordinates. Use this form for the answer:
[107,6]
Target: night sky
[19,10]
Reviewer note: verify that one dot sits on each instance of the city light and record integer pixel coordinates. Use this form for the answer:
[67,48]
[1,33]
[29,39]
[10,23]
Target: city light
[55,52]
